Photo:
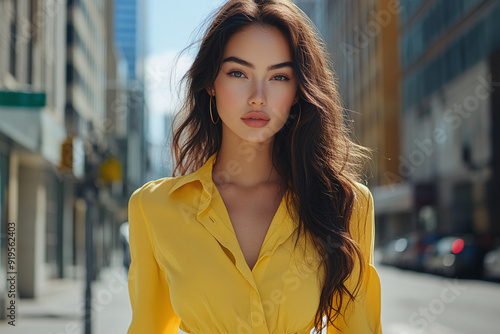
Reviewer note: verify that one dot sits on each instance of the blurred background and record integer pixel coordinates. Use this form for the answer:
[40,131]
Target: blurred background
[88,89]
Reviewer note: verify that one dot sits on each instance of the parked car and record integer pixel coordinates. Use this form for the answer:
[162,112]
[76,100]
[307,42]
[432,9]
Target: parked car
[407,252]
[392,251]
[421,244]
[455,256]
[491,264]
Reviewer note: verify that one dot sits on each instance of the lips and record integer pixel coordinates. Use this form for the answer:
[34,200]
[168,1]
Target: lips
[256,115]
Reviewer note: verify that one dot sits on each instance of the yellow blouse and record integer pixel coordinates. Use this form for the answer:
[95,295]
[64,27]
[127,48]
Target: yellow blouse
[188,271]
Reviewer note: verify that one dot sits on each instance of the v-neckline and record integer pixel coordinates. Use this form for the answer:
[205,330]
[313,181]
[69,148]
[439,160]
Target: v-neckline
[277,218]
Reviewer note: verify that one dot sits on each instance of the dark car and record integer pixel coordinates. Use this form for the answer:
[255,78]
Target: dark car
[455,256]
[419,243]
[408,251]
[391,252]
[410,248]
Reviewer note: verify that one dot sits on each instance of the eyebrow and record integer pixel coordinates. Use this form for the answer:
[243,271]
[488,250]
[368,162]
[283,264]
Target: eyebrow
[247,64]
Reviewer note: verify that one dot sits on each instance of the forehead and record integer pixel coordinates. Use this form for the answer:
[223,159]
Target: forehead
[259,45]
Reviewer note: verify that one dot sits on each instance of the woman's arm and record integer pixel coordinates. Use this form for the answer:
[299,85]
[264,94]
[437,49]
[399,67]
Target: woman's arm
[148,289]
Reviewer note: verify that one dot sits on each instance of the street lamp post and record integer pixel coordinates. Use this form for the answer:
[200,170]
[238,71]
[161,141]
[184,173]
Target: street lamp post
[90,193]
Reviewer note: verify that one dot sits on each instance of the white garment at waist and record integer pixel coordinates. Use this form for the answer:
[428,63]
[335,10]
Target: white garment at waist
[182,332]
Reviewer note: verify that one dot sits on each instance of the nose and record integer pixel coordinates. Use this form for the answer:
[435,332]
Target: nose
[257,97]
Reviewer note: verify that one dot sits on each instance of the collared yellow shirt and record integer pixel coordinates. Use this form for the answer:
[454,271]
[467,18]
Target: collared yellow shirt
[188,271]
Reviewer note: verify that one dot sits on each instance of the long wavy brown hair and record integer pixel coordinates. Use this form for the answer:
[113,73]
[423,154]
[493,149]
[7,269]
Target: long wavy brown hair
[313,152]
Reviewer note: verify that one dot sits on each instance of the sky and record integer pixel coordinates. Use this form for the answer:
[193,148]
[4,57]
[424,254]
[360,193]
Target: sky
[171,27]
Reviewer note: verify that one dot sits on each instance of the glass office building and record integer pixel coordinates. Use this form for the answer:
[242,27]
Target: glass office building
[129,33]
[449,53]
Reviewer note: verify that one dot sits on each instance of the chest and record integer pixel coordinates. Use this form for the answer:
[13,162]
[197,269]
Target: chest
[251,214]
[280,287]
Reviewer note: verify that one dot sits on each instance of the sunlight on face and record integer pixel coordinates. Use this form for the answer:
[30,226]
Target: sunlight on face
[256,75]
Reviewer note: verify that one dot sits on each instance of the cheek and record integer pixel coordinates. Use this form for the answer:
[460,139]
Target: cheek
[284,101]
[227,93]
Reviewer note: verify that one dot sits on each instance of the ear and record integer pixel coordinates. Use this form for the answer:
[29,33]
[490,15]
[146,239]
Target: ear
[210,91]
[295,100]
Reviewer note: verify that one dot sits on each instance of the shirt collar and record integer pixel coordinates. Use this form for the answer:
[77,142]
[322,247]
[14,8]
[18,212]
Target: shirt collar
[281,228]
[203,174]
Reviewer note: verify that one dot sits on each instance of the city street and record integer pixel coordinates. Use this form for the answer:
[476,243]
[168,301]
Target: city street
[415,302]
[61,309]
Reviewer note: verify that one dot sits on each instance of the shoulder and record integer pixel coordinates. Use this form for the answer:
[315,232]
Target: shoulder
[362,210]
[150,207]
[363,197]
[362,219]
[152,191]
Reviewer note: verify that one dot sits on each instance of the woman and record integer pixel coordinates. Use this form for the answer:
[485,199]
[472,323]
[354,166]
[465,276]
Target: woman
[266,229]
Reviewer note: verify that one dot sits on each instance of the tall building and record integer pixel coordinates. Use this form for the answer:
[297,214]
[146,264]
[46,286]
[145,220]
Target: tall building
[58,130]
[32,132]
[362,38]
[130,37]
[117,118]
[450,106]
[161,158]
[86,68]
[129,31]
[86,116]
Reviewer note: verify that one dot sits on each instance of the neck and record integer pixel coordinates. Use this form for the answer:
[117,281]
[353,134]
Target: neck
[244,164]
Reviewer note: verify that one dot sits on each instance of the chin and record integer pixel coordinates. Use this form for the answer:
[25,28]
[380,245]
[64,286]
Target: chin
[253,135]
[261,136]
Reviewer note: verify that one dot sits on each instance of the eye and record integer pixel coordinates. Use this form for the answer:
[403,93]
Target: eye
[236,74]
[281,77]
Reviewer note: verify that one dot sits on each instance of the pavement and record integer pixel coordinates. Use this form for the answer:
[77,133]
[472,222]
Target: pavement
[60,310]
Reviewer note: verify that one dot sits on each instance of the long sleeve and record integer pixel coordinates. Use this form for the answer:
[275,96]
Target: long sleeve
[152,310]
[363,315]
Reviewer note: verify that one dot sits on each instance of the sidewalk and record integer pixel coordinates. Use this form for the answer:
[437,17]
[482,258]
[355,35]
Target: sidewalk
[62,311]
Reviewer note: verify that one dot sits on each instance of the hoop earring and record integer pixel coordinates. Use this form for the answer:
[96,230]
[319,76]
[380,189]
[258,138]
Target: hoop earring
[211,111]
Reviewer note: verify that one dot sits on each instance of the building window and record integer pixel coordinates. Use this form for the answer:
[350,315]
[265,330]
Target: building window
[13,37]
[29,75]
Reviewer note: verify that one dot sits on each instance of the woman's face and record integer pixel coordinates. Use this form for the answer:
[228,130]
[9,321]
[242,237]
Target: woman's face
[256,76]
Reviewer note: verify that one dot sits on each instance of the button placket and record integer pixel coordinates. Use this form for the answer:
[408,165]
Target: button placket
[257,315]
[226,238]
